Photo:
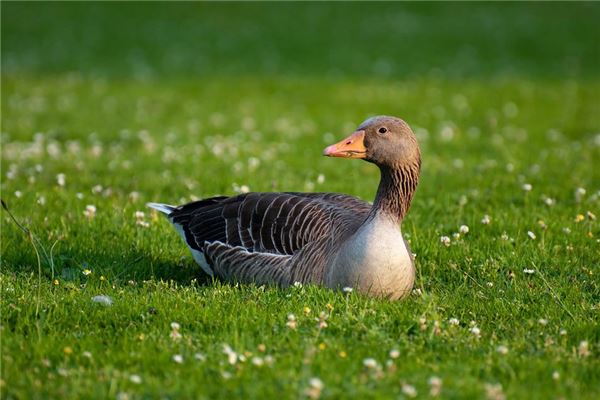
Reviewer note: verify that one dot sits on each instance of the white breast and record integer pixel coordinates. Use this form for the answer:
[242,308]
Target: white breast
[374,260]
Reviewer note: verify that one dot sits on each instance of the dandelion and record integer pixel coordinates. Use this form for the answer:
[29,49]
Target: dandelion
[90,211]
[315,387]
[262,348]
[486,220]
[68,350]
[528,271]
[343,354]
[579,218]
[435,386]
[291,321]
[394,353]
[178,358]
[445,240]
[502,349]
[61,179]
[86,272]
[135,379]
[56,282]
[409,390]
[527,187]
[306,310]
[584,349]
[104,300]
[454,321]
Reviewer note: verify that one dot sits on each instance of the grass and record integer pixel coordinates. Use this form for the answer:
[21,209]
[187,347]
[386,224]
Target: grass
[163,103]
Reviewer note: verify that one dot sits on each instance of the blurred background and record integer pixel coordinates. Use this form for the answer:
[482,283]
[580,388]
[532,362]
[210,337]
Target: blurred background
[137,102]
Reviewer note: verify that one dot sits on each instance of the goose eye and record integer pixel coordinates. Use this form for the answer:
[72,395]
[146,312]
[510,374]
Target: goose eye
[382,130]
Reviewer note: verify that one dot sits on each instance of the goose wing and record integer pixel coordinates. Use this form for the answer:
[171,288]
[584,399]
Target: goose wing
[274,223]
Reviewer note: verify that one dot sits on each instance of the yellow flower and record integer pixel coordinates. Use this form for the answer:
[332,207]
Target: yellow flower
[67,350]
[343,354]
[579,218]
[322,346]
[56,282]
[306,310]
[102,278]
[87,272]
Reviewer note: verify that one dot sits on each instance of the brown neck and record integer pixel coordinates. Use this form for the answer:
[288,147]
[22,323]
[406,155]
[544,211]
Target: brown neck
[396,189]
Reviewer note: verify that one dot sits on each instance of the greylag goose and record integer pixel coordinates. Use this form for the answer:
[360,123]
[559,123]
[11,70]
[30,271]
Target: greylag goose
[326,239]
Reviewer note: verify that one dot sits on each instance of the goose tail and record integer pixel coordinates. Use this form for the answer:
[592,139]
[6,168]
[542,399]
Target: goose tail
[163,208]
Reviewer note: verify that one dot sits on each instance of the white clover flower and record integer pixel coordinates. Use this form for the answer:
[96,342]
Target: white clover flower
[104,300]
[90,211]
[258,361]
[445,240]
[370,363]
[475,331]
[139,215]
[314,389]
[435,384]
[584,349]
[87,354]
[61,179]
[178,358]
[531,235]
[502,349]
[347,289]
[409,390]
[486,219]
[453,321]
[543,321]
[579,193]
[200,357]
[464,229]
[135,379]
[320,179]
[528,271]
[527,187]
[394,353]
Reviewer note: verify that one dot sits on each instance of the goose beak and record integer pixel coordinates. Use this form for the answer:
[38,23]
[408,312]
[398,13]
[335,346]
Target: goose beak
[351,147]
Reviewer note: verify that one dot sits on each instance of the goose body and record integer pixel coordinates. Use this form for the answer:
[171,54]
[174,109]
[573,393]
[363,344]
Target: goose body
[327,239]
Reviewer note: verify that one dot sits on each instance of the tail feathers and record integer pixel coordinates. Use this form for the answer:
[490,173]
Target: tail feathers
[163,208]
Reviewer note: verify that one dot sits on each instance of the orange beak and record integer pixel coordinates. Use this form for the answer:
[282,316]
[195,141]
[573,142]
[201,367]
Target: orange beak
[351,147]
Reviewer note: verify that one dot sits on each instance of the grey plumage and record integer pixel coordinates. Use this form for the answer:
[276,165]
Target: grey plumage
[282,238]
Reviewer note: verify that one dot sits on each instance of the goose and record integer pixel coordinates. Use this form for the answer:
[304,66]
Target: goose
[329,239]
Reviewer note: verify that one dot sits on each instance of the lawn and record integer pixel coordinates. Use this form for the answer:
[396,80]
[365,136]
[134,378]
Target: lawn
[107,106]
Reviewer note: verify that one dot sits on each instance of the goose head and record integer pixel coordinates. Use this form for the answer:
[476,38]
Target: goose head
[383,140]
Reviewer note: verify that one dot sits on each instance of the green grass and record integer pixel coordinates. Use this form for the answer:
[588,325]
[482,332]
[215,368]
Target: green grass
[173,102]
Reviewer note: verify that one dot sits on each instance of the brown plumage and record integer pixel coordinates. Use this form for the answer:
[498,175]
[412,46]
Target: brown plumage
[328,239]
